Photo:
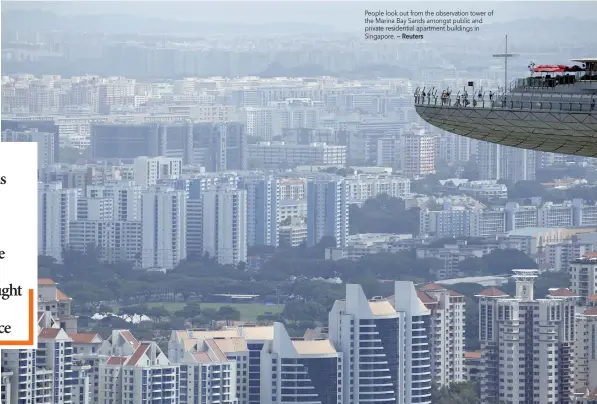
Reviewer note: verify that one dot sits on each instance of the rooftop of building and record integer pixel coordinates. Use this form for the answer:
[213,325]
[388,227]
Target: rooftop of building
[561,292]
[472,355]
[85,338]
[492,292]
[314,347]
[381,307]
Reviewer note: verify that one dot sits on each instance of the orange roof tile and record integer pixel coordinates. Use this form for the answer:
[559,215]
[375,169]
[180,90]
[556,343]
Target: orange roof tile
[590,311]
[432,286]
[48,333]
[201,357]
[492,292]
[129,337]
[592,298]
[220,356]
[562,292]
[454,293]
[139,352]
[425,298]
[83,338]
[116,360]
[590,255]
[472,355]
[61,296]
[45,282]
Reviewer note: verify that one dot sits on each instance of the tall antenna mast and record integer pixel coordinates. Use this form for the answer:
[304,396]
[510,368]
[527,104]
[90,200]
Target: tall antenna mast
[506,56]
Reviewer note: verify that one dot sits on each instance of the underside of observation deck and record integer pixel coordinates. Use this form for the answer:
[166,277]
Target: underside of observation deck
[566,132]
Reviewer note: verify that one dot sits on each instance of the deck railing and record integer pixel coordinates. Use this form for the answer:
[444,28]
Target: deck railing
[508,100]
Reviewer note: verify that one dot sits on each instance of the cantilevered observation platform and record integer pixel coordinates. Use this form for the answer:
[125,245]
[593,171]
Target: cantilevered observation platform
[546,113]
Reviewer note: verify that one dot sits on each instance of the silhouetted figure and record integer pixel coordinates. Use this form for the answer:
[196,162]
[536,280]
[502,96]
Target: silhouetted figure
[593,104]
[490,95]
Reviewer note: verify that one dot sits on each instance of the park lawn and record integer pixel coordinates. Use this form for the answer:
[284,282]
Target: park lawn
[248,311]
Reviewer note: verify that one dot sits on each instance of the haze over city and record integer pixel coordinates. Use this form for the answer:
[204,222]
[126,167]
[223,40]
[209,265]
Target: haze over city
[251,203]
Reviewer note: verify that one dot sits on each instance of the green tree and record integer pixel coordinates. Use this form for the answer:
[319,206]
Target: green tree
[189,310]
[300,310]
[228,313]
[456,393]
[158,313]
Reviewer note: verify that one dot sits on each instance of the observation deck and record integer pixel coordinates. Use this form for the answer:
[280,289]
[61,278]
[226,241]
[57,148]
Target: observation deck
[552,114]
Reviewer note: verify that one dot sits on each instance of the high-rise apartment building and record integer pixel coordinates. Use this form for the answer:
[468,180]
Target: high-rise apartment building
[224,220]
[497,162]
[417,155]
[446,333]
[384,345]
[327,209]
[146,376]
[149,170]
[263,199]
[583,276]
[526,344]
[298,370]
[56,207]
[126,197]
[585,354]
[164,227]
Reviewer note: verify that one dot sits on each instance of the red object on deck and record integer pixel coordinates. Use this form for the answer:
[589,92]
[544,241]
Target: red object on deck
[549,68]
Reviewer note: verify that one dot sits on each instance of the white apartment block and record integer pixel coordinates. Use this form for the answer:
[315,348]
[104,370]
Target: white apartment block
[56,207]
[526,344]
[447,333]
[190,347]
[290,209]
[327,209]
[95,209]
[149,170]
[215,113]
[47,374]
[164,227]
[454,221]
[298,370]
[472,366]
[583,276]
[384,345]
[207,376]
[495,162]
[241,344]
[266,123]
[115,241]
[53,300]
[560,255]
[263,199]
[585,354]
[5,387]
[293,235]
[225,225]
[359,245]
[293,189]
[146,376]
[417,155]
[86,352]
[270,155]
[44,140]
[363,187]
[488,189]
[126,197]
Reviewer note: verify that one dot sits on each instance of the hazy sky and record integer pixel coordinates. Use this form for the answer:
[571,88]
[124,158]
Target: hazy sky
[340,14]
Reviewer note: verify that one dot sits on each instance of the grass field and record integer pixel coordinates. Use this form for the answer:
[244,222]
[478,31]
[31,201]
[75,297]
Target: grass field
[248,311]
